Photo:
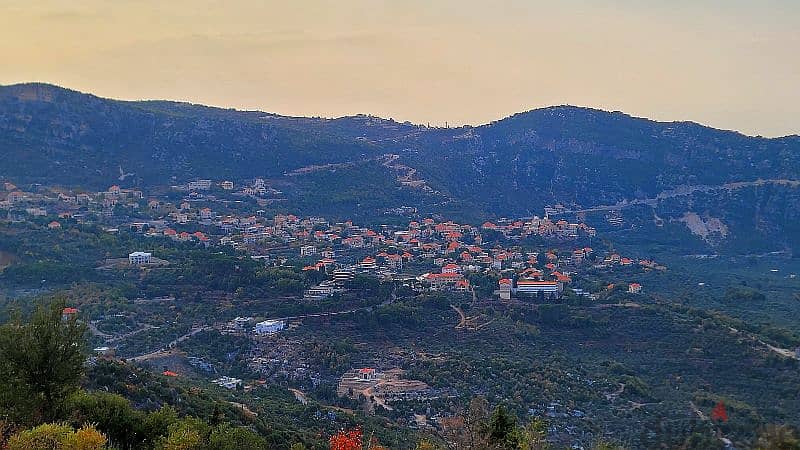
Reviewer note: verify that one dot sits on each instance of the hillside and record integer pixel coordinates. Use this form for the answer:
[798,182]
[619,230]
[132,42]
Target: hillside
[359,166]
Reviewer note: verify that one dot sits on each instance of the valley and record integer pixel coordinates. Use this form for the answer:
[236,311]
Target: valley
[579,270]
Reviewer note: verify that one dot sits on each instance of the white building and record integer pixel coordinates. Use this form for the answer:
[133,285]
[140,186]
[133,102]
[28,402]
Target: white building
[140,257]
[505,289]
[308,250]
[227,382]
[203,185]
[367,374]
[342,275]
[241,322]
[549,289]
[269,326]
[325,289]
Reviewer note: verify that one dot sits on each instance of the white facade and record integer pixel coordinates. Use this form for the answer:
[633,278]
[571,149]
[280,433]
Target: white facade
[140,257]
[269,326]
[547,288]
[505,289]
[203,185]
[227,382]
[343,275]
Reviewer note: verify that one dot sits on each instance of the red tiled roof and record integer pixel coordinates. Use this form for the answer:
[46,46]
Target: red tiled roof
[535,283]
[442,275]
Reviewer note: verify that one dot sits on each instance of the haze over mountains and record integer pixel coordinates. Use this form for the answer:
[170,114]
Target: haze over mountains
[671,176]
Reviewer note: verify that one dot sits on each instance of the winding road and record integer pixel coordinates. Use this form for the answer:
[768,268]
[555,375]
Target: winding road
[685,190]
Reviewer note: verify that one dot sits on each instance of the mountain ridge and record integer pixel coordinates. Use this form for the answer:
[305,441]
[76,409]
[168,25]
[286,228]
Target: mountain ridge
[365,165]
[565,106]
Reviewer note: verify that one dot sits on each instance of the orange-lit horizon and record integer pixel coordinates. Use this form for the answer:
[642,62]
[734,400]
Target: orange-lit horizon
[730,65]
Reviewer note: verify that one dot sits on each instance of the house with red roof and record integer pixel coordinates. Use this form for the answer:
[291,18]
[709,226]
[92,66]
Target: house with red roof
[441,280]
[505,285]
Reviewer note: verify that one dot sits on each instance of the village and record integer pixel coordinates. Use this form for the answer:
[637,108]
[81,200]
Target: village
[425,255]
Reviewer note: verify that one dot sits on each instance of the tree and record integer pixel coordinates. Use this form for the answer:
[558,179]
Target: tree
[157,424]
[777,437]
[216,416]
[502,427]
[226,437]
[57,437]
[605,445]
[111,413]
[533,436]
[718,413]
[184,435]
[347,440]
[468,430]
[41,363]
[426,445]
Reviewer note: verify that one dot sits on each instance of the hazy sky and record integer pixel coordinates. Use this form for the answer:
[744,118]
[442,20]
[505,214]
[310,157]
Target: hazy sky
[731,64]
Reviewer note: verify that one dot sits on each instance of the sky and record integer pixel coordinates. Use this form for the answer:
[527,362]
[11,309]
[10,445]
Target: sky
[731,64]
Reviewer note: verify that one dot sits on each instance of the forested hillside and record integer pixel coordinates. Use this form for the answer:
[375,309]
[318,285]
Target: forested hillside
[363,165]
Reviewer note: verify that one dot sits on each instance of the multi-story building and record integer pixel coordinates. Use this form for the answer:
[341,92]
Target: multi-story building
[549,289]
[140,258]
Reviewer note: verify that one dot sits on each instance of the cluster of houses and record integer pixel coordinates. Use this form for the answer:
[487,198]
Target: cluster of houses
[426,253]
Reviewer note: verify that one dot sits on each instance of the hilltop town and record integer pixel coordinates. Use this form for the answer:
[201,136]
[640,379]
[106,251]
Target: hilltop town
[428,254]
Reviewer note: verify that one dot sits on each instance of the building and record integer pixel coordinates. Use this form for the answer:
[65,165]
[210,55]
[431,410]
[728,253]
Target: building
[441,280]
[269,326]
[227,185]
[16,197]
[343,275]
[366,374]
[548,289]
[354,382]
[505,289]
[368,263]
[140,258]
[227,382]
[634,288]
[325,289]
[242,322]
[308,250]
[68,313]
[104,351]
[451,268]
[202,185]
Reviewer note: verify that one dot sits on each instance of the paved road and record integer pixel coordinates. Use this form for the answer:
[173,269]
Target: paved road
[684,191]
[194,331]
[173,343]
